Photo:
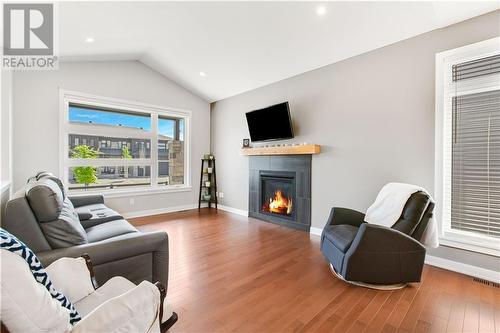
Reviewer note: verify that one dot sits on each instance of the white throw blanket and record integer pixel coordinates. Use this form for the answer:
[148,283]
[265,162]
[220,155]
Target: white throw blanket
[388,207]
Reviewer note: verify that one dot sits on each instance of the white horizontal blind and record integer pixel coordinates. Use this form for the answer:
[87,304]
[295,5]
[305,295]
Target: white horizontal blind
[475,188]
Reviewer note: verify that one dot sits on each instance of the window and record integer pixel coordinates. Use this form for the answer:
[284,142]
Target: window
[170,150]
[125,141]
[468,146]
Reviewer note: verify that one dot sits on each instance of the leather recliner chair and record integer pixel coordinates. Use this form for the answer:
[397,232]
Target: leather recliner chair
[35,215]
[375,255]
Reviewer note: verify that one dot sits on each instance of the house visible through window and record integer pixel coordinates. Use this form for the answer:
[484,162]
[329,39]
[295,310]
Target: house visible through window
[469,109]
[112,148]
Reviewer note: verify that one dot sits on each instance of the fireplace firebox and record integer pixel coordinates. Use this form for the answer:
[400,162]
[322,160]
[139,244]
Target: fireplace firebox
[277,191]
[280,190]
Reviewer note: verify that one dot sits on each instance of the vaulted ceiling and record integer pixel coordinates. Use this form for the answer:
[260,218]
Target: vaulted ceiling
[219,49]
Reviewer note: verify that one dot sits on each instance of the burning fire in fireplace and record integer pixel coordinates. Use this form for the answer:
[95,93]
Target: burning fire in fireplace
[278,204]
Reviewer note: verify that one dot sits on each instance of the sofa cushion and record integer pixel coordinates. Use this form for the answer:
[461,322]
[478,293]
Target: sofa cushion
[341,235]
[55,214]
[66,230]
[112,288]
[109,229]
[45,199]
[65,271]
[99,214]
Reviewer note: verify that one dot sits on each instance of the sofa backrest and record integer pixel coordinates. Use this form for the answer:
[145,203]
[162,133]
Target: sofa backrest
[43,217]
[416,213]
[49,175]
[20,221]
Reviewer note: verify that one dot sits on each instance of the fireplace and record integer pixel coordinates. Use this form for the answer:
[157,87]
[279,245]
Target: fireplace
[277,193]
[280,190]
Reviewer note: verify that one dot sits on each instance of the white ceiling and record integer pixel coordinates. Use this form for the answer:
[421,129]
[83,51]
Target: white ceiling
[244,45]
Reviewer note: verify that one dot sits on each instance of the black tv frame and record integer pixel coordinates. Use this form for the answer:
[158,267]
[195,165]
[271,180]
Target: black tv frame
[289,120]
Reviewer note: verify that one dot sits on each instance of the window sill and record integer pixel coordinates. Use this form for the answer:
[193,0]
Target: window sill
[118,193]
[472,243]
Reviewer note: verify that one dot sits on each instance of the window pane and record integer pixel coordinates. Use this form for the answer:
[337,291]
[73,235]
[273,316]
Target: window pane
[475,195]
[91,146]
[170,151]
[163,173]
[109,119]
[107,177]
[166,127]
[108,134]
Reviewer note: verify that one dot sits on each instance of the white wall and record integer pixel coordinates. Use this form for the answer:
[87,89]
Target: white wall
[372,114]
[36,118]
[5,124]
[5,137]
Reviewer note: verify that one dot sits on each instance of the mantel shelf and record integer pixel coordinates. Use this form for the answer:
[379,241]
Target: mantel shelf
[282,150]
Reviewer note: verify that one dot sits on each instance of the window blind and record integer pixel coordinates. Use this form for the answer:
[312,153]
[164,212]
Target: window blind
[476,68]
[475,185]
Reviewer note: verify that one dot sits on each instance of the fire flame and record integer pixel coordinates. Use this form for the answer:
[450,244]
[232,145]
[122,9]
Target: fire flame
[279,204]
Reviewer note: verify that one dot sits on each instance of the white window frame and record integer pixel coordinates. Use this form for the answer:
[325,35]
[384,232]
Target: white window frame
[67,97]
[445,90]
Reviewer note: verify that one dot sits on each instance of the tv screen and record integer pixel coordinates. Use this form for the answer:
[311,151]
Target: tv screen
[271,123]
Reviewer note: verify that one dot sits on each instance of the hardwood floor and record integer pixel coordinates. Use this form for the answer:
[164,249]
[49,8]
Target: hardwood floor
[231,273]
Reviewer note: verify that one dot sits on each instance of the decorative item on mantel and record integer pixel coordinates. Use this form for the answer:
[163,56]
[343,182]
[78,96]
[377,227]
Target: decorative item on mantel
[246,143]
[208,182]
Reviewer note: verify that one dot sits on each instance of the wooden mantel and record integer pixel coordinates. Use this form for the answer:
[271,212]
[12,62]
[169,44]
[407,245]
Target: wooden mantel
[282,150]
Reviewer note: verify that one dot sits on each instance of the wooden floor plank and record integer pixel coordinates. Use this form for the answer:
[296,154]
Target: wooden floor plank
[229,273]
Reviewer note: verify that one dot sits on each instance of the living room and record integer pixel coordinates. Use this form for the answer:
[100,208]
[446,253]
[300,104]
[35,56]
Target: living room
[250,166]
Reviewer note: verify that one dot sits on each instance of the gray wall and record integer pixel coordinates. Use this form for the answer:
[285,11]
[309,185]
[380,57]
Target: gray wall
[36,118]
[372,114]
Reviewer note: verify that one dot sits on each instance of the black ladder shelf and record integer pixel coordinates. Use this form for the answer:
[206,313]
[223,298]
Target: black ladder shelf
[208,164]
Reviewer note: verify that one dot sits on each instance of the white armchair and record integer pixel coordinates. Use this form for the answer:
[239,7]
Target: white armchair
[116,306]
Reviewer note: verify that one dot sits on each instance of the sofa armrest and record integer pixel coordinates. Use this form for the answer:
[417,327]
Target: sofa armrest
[84,200]
[117,248]
[339,215]
[378,239]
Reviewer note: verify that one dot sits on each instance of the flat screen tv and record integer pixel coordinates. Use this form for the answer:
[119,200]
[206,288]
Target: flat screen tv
[271,123]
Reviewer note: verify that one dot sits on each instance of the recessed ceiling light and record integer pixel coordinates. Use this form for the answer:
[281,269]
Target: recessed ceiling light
[203,74]
[89,39]
[321,10]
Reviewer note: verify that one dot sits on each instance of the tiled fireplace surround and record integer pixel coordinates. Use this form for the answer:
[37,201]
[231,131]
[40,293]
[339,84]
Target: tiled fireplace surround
[295,167]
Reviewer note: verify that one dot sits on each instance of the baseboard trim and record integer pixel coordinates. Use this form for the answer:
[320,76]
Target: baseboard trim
[233,210]
[316,231]
[462,268]
[150,212]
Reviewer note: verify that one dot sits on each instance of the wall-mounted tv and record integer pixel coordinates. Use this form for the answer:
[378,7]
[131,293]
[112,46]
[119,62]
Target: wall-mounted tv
[271,123]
